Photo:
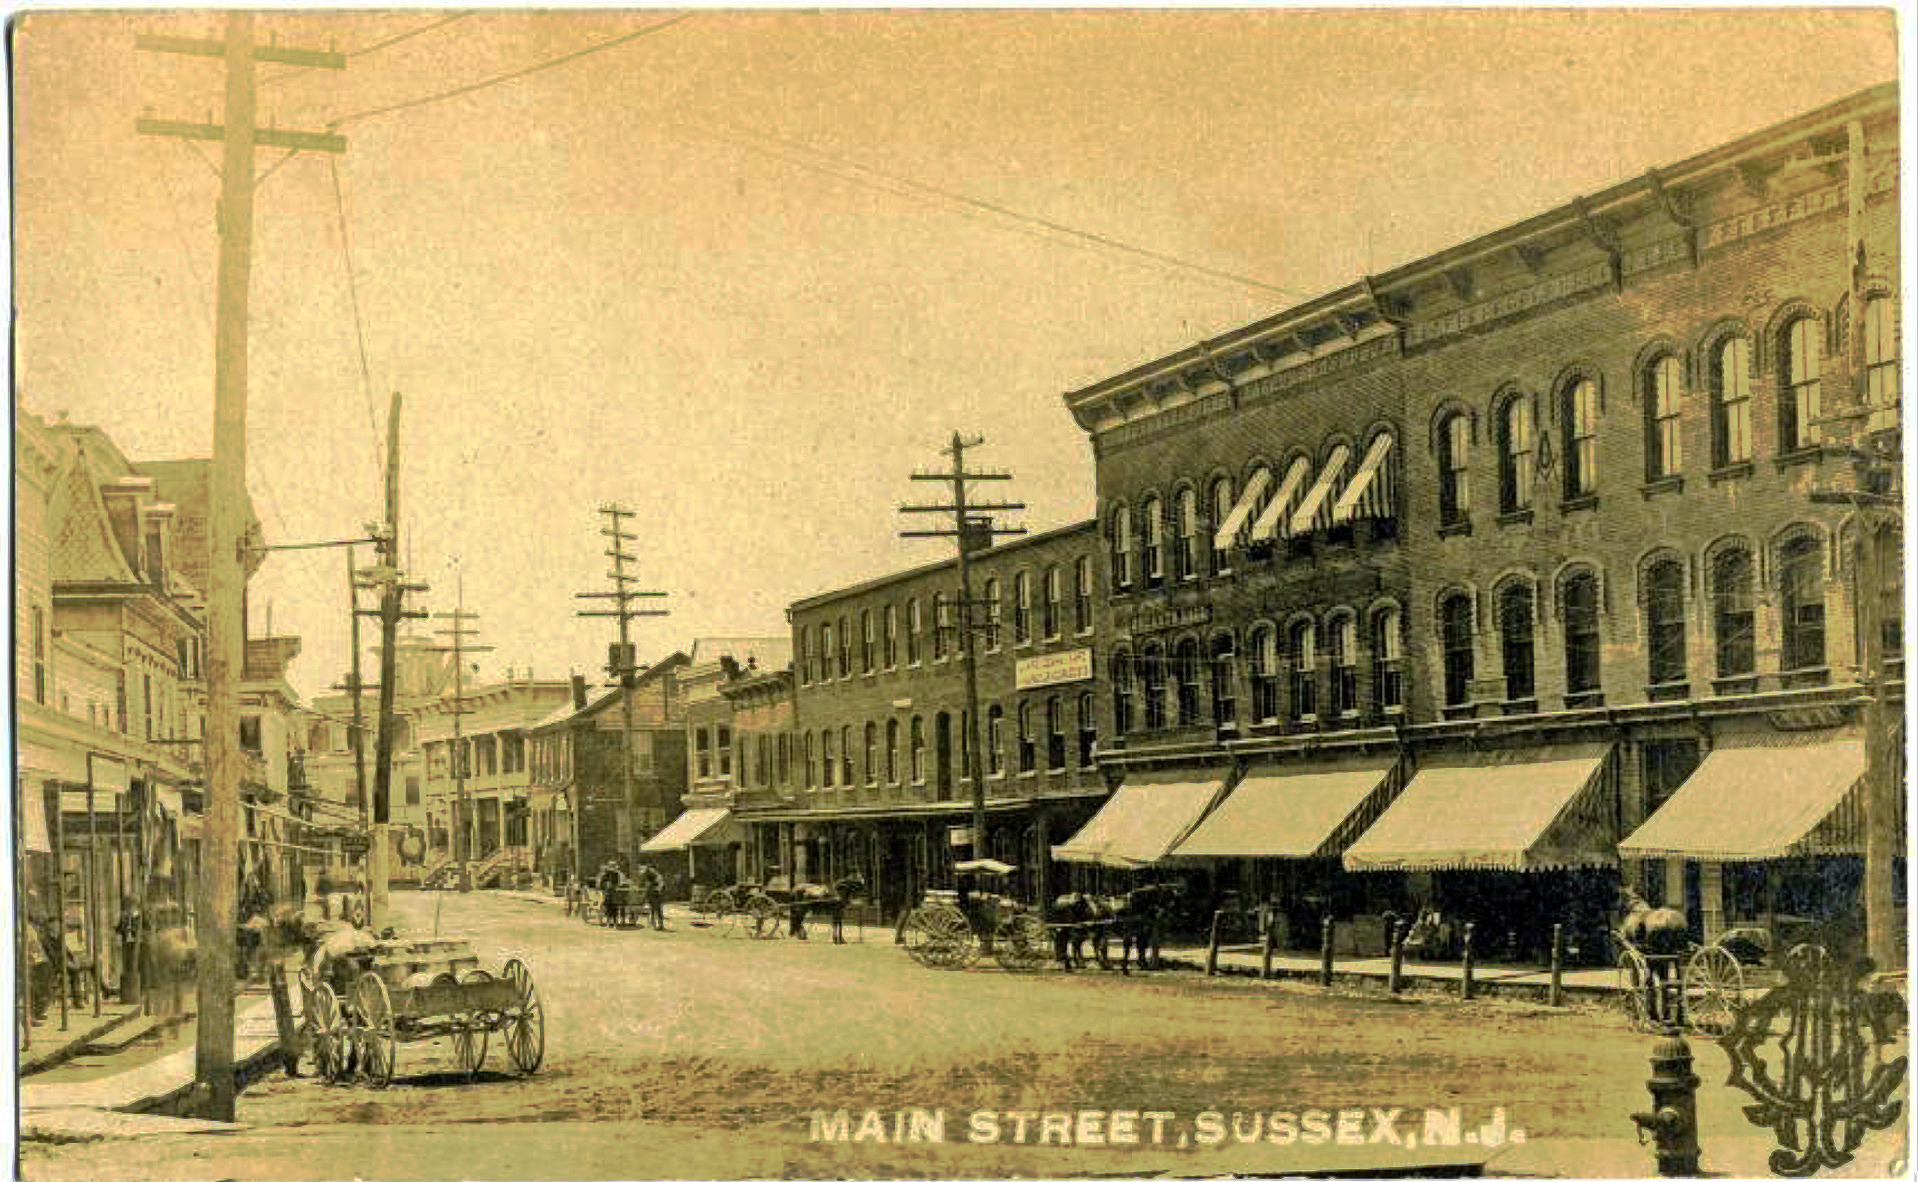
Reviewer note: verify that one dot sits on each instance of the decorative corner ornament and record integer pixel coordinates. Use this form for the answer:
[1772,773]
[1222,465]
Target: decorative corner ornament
[1811,1051]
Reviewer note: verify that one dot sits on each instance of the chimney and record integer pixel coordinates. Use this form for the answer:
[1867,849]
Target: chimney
[579,692]
[977,534]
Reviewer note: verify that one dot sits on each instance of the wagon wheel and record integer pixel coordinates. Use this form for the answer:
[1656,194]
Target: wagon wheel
[1714,986]
[763,918]
[1020,944]
[1634,971]
[721,904]
[948,938]
[469,1042]
[525,1022]
[327,1027]
[916,936]
[379,1043]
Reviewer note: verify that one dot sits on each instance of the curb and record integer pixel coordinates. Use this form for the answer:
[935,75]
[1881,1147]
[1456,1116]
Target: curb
[74,1046]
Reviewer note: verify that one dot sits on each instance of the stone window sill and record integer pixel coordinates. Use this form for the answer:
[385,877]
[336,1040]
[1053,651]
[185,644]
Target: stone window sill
[1515,517]
[1668,691]
[1578,504]
[1661,485]
[1798,457]
[1460,527]
[1738,471]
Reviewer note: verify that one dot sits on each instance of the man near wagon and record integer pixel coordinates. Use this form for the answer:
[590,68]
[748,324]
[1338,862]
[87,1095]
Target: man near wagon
[609,898]
[653,885]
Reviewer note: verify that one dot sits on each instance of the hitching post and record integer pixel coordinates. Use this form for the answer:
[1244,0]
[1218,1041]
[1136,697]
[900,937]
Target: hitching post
[1325,952]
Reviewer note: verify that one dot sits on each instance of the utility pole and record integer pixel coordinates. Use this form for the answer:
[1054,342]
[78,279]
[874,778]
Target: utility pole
[970,525]
[622,666]
[353,686]
[226,577]
[459,648]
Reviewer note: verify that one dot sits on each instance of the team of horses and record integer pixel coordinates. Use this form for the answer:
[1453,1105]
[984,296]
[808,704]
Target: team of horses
[1137,919]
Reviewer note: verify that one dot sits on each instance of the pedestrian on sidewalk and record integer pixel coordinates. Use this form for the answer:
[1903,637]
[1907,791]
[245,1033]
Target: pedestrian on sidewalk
[127,930]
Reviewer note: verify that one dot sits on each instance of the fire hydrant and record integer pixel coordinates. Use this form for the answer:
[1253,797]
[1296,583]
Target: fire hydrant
[1673,1121]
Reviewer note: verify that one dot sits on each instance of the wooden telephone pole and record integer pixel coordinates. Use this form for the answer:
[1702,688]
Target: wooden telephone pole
[972,525]
[459,648]
[622,666]
[226,578]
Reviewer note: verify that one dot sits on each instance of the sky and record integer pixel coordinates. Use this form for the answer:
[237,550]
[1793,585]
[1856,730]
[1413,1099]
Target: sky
[747,272]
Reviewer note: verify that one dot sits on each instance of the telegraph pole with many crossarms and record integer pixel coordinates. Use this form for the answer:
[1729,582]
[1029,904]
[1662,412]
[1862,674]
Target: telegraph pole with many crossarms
[972,525]
[459,648]
[226,639]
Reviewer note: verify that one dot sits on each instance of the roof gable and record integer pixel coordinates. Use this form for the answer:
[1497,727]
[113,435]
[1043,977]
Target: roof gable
[85,548]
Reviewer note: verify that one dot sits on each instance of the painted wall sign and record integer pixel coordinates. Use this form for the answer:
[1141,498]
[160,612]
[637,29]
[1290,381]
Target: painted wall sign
[1158,619]
[1059,668]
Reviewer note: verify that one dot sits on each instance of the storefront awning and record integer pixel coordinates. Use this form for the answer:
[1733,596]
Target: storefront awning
[1369,493]
[1139,826]
[692,827]
[1544,810]
[1235,520]
[1306,519]
[1748,803]
[1279,509]
[1311,812]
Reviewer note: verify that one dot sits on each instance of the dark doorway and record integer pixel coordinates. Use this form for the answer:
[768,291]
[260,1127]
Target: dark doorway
[942,757]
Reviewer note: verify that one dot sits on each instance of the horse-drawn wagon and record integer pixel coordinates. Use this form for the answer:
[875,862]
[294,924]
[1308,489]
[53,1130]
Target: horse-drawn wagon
[776,908]
[1656,952]
[951,929]
[361,1003]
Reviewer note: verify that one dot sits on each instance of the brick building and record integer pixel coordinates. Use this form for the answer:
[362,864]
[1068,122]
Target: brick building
[1435,589]
[878,783]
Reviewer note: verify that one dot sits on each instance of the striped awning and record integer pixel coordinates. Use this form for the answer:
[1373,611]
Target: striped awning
[1228,532]
[1545,809]
[1744,804]
[1293,812]
[1142,822]
[1369,493]
[1315,510]
[1278,511]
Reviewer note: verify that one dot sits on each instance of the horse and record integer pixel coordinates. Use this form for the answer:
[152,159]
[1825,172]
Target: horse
[1073,918]
[612,895]
[809,897]
[1139,916]
[1661,933]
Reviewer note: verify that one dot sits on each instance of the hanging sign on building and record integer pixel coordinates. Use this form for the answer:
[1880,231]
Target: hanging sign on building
[1061,668]
[959,835]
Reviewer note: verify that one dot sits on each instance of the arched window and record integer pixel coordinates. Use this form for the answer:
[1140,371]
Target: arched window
[1388,666]
[872,753]
[1515,457]
[1265,673]
[1021,608]
[995,744]
[1798,403]
[889,637]
[1028,751]
[1455,639]
[1152,686]
[1342,641]
[845,648]
[892,751]
[1801,597]
[914,626]
[1185,554]
[1734,617]
[1580,416]
[1187,669]
[845,756]
[917,742]
[1121,691]
[1302,645]
[1578,606]
[993,606]
[1221,501]
[1055,735]
[1153,514]
[1731,365]
[1665,621]
[865,641]
[1455,468]
[1515,617]
[940,624]
[1049,606]
[1088,728]
[1120,536]
[1224,705]
[1664,406]
[1881,364]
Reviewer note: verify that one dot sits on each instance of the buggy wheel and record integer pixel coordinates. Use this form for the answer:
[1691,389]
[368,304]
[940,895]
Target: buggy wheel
[1021,944]
[1634,976]
[762,918]
[720,906]
[1714,987]
[525,1022]
[469,1042]
[379,1042]
[329,1033]
[938,937]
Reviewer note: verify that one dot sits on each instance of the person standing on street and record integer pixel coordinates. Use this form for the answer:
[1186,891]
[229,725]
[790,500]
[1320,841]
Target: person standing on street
[653,883]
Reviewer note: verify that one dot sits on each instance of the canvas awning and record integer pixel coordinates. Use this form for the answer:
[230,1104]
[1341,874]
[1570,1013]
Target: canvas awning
[1306,518]
[1228,531]
[1369,493]
[1143,820]
[1540,810]
[1293,812]
[1748,803]
[692,827]
[1278,511]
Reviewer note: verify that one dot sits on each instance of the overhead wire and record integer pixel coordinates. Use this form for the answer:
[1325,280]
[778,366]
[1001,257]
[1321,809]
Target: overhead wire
[359,328]
[375,47]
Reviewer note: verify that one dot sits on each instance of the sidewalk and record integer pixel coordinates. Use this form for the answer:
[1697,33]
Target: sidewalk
[49,1046]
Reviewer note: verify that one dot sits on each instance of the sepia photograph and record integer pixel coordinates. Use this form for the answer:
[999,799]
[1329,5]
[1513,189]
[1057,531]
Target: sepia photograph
[860,593]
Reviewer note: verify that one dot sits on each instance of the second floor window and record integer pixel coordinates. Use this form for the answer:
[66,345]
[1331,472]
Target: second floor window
[1055,735]
[1082,594]
[825,652]
[914,627]
[1153,513]
[1665,621]
[1455,459]
[1801,596]
[1219,561]
[1581,439]
[889,637]
[1664,443]
[939,625]
[1028,752]
[1455,639]
[724,745]
[1388,646]
[872,753]
[917,742]
[995,743]
[1265,674]
[703,753]
[1224,707]
[1303,645]
[865,641]
[1515,640]
[1731,403]
[1187,669]
[1152,687]
[1798,405]
[1049,604]
[845,648]
[1088,729]
[1343,645]
[992,607]
[1734,618]
[892,751]
[1121,691]
[1185,553]
[1582,652]
[1881,364]
[1121,539]
[1515,454]
[1021,608]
